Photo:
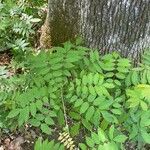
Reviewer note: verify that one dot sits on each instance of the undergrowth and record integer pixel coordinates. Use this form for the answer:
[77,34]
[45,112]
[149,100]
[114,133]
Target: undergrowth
[101,100]
[19,24]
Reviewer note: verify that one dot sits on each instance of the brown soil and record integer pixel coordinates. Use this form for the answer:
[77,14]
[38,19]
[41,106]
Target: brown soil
[19,140]
[5,58]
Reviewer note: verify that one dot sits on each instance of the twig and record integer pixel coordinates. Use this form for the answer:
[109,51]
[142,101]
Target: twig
[64,110]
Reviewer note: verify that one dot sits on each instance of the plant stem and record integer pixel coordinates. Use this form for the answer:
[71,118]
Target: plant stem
[64,110]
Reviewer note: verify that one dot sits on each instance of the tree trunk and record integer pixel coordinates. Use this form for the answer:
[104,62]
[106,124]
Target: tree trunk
[122,25]
[64,16]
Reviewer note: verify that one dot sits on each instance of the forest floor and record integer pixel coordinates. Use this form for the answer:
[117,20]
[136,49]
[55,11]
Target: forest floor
[5,58]
[18,140]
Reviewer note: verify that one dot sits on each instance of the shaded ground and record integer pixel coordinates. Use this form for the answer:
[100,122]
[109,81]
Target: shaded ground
[5,58]
[24,139]
[19,140]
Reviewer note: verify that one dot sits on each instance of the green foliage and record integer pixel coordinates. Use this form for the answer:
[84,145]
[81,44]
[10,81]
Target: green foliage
[145,57]
[46,145]
[112,65]
[75,89]
[91,96]
[102,141]
[140,74]
[139,96]
[16,26]
[39,101]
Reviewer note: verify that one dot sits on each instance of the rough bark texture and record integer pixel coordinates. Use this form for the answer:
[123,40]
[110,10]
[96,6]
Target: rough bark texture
[45,37]
[64,15]
[122,25]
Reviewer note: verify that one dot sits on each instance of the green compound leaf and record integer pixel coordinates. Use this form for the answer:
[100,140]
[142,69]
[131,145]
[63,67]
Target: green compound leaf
[45,129]
[84,107]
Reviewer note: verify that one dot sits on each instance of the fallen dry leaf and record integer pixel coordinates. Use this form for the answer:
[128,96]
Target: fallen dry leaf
[2,148]
[15,144]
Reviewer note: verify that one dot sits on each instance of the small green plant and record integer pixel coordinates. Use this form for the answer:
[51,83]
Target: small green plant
[101,141]
[40,102]
[90,95]
[46,145]
[139,103]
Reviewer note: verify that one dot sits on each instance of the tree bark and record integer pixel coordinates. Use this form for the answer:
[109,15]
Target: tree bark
[122,25]
[64,16]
